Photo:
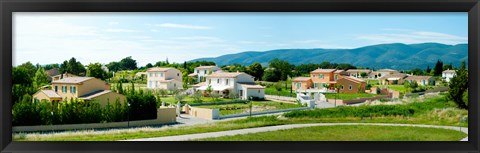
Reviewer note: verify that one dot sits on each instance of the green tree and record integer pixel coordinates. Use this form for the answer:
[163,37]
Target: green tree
[197,96]
[114,66]
[283,67]
[447,67]
[271,75]
[363,74]
[21,75]
[41,78]
[128,63]
[458,86]
[256,70]
[95,70]
[427,71]
[149,65]
[438,68]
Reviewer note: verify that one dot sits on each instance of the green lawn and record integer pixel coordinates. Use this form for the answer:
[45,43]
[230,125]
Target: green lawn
[257,106]
[434,111]
[399,88]
[373,82]
[350,133]
[284,92]
[345,96]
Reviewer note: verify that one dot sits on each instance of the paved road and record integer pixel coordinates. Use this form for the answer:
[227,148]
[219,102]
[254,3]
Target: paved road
[281,127]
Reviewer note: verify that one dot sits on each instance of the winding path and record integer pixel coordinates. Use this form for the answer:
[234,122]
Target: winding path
[282,127]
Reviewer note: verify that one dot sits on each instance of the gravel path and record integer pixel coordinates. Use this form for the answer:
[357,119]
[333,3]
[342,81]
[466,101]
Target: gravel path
[281,127]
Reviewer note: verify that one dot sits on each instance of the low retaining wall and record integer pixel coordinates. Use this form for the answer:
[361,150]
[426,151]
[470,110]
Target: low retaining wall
[281,98]
[213,103]
[166,115]
[205,113]
[265,112]
[359,100]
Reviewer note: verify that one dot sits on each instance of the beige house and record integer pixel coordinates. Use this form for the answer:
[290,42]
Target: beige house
[382,73]
[202,71]
[86,88]
[164,78]
[238,82]
[421,80]
[358,72]
[393,79]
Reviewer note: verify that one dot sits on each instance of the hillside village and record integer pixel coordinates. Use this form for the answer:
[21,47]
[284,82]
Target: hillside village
[167,93]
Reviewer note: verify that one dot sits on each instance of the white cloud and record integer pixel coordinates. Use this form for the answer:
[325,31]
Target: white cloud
[120,30]
[412,37]
[183,26]
[112,23]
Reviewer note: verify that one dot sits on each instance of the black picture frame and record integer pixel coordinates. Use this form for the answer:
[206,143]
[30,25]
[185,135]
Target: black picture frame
[9,6]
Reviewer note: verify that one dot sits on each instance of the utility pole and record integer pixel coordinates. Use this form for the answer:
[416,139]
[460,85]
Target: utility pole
[251,106]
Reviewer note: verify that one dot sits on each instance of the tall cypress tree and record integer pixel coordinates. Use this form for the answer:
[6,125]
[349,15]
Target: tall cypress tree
[438,68]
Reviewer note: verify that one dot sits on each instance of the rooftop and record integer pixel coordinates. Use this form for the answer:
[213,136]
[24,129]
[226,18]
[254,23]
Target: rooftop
[301,79]
[73,80]
[51,93]
[359,70]
[353,79]
[94,94]
[159,69]
[450,71]
[206,67]
[323,70]
[225,74]
[413,77]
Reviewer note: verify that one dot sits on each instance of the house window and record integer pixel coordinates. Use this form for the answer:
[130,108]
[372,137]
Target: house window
[209,81]
[341,88]
[320,76]
[226,81]
[64,89]
[205,72]
[161,74]
[150,84]
[178,74]
[150,74]
[313,75]
[198,71]
[56,88]
[174,85]
[73,89]
[336,77]
[258,91]
[219,81]
[156,74]
[350,87]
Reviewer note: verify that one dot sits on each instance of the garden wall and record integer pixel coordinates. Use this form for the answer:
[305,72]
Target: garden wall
[164,116]
[205,113]
[359,100]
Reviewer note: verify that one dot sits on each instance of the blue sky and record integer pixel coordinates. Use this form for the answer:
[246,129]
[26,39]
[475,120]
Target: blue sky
[150,37]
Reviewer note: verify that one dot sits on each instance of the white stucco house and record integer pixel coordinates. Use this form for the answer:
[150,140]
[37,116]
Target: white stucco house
[164,78]
[202,71]
[447,75]
[238,82]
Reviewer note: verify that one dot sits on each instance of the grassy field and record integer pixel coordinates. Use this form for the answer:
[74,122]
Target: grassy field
[129,85]
[399,88]
[257,106]
[373,82]
[284,92]
[433,111]
[350,133]
[349,96]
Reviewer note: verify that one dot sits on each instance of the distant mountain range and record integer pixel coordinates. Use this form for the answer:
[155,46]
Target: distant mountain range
[393,56]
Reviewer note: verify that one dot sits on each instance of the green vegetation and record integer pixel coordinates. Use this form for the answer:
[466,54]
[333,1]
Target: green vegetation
[257,106]
[434,111]
[458,86]
[349,133]
[191,100]
[399,88]
[345,96]
[156,132]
